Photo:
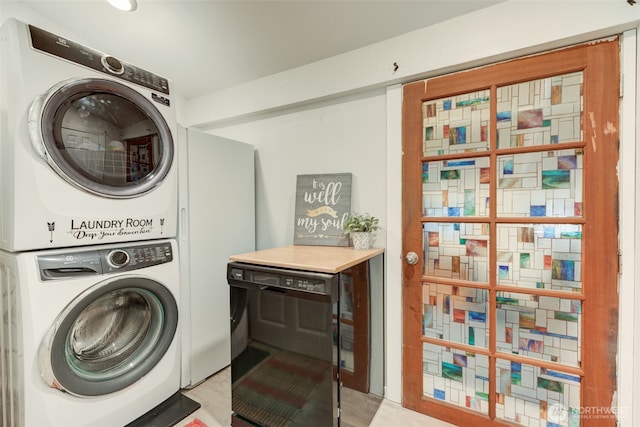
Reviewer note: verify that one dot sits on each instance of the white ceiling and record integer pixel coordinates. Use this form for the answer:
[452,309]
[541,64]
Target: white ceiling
[208,45]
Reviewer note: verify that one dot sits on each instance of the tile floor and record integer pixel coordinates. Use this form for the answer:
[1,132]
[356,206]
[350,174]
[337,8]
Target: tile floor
[215,397]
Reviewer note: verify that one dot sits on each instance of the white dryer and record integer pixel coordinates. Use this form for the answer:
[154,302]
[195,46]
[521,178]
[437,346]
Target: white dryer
[89,336]
[87,153]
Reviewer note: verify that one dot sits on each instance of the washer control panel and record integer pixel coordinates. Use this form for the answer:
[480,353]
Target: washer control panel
[79,263]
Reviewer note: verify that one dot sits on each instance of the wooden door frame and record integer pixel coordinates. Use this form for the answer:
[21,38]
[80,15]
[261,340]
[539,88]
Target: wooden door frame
[600,60]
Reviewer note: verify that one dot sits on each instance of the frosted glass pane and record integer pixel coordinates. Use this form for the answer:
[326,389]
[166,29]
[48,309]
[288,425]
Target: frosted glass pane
[541,184]
[455,188]
[455,313]
[533,396]
[540,327]
[543,256]
[456,124]
[539,112]
[455,376]
[456,250]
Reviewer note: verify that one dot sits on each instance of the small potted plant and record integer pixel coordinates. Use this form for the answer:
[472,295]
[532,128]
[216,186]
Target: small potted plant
[360,227]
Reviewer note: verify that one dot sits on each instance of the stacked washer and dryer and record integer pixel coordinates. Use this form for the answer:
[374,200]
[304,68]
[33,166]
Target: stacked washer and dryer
[89,271]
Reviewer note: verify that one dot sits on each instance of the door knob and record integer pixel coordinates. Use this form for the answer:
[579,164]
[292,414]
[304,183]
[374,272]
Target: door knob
[411,258]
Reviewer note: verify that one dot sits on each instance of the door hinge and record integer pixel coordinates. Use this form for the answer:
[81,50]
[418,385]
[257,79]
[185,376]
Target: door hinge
[619,263]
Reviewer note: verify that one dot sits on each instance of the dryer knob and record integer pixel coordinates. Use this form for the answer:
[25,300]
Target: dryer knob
[112,64]
[118,258]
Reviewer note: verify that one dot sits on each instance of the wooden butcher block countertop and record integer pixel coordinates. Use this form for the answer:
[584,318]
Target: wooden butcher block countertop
[323,259]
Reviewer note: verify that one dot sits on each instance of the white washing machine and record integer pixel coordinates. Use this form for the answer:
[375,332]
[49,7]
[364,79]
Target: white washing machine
[89,336]
[87,153]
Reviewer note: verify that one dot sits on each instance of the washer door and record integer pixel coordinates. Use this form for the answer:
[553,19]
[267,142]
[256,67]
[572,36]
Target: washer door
[109,336]
[102,136]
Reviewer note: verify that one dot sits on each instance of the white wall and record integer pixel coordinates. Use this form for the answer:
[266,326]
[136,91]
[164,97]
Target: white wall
[288,115]
[18,10]
[348,135]
[478,38]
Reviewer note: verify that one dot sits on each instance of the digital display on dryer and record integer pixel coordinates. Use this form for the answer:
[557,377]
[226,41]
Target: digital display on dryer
[52,44]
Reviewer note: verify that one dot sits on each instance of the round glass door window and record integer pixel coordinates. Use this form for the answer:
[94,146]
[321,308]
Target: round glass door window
[102,136]
[109,337]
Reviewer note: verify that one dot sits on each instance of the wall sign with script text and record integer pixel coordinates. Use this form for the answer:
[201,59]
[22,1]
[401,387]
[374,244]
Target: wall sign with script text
[323,203]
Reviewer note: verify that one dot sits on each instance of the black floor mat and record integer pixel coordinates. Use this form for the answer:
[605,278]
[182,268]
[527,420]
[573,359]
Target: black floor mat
[168,413]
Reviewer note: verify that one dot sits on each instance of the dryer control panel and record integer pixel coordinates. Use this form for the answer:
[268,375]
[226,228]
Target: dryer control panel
[79,263]
[52,44]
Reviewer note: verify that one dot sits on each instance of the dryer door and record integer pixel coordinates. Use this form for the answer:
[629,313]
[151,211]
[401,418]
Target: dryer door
[102,136]
[109,336]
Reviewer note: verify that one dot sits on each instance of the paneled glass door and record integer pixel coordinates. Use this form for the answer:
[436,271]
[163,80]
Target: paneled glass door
[510,202]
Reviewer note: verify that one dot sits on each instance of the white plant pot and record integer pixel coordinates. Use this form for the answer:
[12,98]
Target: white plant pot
[361,239]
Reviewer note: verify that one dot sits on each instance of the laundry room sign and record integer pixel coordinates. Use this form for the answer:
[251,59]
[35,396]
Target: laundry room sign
[111,229]
[323,203]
